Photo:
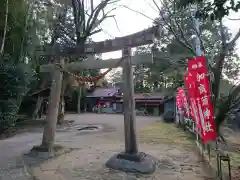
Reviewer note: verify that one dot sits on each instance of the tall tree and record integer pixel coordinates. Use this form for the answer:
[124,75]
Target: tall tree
[85,25]
[215,9]
[54,19]
[162,74]
[216,42]
[17,32]
[116,76]
[4,30]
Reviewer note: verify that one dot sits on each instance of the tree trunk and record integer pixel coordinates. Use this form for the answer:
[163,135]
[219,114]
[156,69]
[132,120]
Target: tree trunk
[165,82]
[37,107]
[79,100]
[61,110]
[51,119]
[217,76]
[39,99]
[4,31]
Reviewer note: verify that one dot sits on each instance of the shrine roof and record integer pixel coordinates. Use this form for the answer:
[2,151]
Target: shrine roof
[104,92]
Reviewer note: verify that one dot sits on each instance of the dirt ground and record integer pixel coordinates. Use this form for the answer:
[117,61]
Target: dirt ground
[175,153]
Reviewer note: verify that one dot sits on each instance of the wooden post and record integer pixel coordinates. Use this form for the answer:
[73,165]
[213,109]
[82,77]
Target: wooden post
[129,105]
[51,119]
[79,100]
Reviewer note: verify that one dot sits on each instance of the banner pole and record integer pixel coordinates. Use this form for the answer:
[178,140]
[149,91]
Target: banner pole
[198,51]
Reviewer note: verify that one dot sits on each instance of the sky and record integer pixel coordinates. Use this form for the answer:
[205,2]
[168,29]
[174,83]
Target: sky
[130,22]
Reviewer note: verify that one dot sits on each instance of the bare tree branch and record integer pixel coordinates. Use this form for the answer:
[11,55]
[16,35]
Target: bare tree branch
[188,45]
[169,27]
[199,36]
[75,15]
[93,16]
[151,6]
[91,4]
[116,24]
[104,17]
[159,9]
[5,31]
[234,19]
[82,16]
[100,28]
[95,32]
[233,41]
[93,20]
[223,35]
[85,28]
[124,6]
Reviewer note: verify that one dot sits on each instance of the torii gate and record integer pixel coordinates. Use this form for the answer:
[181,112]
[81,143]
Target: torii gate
[131,159]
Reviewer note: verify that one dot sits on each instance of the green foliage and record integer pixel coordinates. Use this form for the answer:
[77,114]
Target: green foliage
[15,80]
[226,105]
[232,65]
[177,37]
[16,27]
[178,30]
[141,88]
[216,9]
[161,75]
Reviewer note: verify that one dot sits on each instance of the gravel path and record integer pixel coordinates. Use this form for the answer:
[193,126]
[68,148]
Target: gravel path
[94,150]
[88,164]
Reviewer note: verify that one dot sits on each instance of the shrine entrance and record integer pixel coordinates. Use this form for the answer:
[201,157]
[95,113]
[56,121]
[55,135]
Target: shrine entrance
[131,159]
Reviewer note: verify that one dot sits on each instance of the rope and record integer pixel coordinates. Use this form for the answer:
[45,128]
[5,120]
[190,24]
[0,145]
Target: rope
[84,79]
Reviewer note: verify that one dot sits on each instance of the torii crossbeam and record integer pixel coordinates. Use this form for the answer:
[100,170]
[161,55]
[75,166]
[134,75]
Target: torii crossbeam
[99,64]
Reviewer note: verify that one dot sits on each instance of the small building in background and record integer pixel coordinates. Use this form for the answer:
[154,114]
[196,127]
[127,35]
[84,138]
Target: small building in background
[104,100]
[110,100]
[154,104]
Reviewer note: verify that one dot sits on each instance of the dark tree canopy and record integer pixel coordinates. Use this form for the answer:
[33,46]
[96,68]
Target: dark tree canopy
[216,9]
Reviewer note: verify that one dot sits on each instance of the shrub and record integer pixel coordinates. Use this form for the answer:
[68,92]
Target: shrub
[15,80]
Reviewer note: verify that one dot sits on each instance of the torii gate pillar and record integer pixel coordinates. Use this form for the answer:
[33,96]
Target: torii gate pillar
[129,104]
[130,160]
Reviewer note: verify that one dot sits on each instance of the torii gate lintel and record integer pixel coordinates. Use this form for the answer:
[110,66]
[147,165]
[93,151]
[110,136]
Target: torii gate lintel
[140,38]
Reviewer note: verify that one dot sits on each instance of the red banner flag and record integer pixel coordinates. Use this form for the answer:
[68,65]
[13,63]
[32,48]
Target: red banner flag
[198,71]
[194,113]
[179,101]
[182,95]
